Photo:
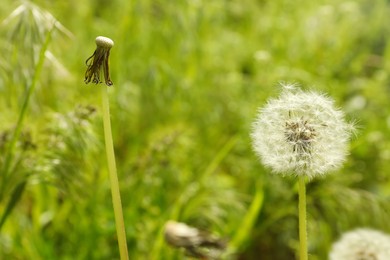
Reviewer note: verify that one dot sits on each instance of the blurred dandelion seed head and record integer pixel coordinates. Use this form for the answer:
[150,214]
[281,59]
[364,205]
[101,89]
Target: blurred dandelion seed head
[301,133]
[99,60]
[361,244]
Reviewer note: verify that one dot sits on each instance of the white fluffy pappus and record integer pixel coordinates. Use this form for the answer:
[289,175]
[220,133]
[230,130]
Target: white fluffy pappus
[301,133]
[361,244]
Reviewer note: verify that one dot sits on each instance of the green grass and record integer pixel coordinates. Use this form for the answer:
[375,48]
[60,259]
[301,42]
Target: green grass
[189,77]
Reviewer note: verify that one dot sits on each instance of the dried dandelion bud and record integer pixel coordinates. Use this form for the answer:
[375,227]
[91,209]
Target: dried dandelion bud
[104,42]
[361,244]
[195,242]
[98,60]
[301,133]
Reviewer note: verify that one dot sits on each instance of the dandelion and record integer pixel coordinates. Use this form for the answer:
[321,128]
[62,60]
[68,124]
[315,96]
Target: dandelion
[361,244]
[301,133]
[98,59]
[196,243]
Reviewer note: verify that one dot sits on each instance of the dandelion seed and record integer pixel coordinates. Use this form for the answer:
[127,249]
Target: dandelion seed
[361,244]
[301,133]
[98,60]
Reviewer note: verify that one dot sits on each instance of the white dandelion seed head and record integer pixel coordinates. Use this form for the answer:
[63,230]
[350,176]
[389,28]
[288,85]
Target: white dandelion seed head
[301,133]
[361,244]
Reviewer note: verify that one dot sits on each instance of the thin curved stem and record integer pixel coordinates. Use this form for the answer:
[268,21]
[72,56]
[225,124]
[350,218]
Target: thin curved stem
[5,169]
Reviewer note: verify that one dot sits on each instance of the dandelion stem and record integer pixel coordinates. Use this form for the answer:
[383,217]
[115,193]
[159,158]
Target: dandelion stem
[302,219]
[116,197]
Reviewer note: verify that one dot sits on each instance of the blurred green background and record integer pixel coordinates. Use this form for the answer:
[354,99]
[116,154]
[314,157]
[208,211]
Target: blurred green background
[188,78]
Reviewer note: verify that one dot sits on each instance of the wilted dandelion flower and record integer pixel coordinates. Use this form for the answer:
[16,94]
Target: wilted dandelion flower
[361,244]
[98,60]
[301,133]
[196,243]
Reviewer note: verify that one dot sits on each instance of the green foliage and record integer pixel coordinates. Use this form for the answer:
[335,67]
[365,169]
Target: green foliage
[189,76]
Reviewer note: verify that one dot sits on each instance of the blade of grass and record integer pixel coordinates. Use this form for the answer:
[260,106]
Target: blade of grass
[248,222]
[15,197]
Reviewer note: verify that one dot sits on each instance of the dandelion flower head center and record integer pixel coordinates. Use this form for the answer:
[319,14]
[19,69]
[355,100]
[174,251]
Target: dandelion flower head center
[300,134]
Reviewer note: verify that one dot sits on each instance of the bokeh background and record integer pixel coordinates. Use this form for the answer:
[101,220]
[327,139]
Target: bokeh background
[188,78]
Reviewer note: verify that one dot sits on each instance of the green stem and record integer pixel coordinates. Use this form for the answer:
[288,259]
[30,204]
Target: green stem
[302,219]
[116,197]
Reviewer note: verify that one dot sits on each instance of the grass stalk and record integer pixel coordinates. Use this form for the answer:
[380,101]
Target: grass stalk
[302,219]
[26,102]
[116,197]
[5,168]
[189,191]
[249,221]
